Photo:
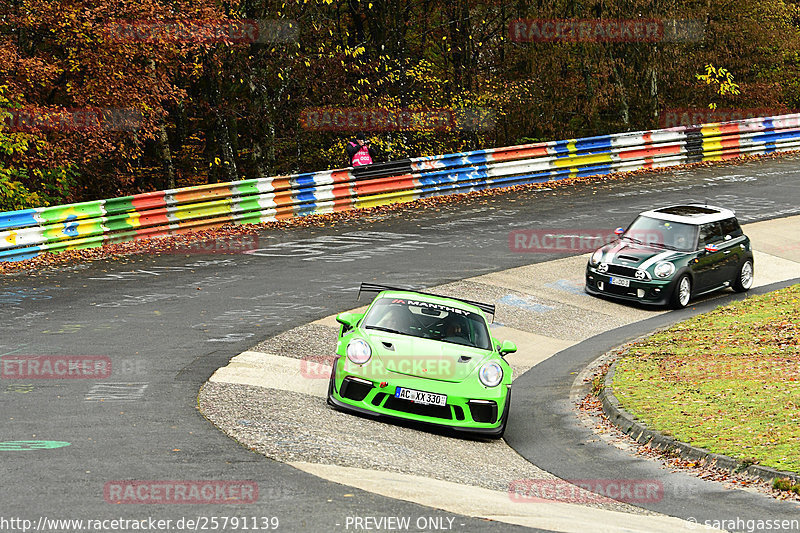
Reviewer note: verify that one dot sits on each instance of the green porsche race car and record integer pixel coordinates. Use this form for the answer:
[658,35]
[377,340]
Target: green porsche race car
[423,357]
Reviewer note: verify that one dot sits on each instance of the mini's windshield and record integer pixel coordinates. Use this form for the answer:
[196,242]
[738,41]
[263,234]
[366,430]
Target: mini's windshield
[428,320]
[662,234]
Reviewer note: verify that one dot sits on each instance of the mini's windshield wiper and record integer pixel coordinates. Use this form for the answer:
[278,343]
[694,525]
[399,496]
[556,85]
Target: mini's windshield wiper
[637,241]
[387,330]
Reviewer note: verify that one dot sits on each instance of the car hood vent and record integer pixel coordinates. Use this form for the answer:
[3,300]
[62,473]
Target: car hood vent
[628,258]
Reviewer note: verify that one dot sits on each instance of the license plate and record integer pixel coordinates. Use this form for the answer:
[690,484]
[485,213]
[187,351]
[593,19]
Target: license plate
[620,281]
[418,396]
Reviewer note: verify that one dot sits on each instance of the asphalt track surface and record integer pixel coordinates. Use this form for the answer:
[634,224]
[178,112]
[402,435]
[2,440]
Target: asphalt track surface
[167,322]
[543,428]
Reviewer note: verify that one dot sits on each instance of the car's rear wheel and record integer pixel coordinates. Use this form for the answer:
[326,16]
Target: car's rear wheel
[682,292]
[744,280]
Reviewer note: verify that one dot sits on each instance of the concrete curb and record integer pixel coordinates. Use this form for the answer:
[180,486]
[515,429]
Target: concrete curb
[639,432]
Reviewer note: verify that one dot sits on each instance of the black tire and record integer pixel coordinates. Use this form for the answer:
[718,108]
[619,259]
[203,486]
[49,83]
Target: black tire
[744,278]
[505,418]
[330,385]
[682,293]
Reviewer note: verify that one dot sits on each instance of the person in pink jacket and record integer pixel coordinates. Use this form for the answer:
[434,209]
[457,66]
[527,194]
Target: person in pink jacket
[360,151]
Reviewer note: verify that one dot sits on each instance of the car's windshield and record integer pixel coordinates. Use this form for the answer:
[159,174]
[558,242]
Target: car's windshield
[440,322]
[662,234]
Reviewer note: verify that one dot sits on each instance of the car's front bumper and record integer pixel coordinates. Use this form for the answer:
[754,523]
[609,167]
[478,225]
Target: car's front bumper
[648,292]
[471,408]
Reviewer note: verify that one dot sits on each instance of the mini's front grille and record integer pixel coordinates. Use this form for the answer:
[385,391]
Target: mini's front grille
[404,406]
[619,270]
[355,390]
[483,411]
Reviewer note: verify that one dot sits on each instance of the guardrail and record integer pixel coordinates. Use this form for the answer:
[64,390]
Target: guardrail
[30,232]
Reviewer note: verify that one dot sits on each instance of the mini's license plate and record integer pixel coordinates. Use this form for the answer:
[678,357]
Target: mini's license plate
[620,281]
[418,396]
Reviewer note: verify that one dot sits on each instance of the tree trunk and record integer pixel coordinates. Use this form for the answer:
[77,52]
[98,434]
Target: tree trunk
[166,155]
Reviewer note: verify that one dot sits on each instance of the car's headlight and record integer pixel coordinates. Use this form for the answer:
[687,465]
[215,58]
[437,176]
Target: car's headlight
[596,257]
[664,269]
[641,274]
[491,374]
[602,267]
[358,351]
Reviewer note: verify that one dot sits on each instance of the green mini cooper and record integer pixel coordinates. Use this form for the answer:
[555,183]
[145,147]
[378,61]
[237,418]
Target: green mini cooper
[670,255]
[422,357]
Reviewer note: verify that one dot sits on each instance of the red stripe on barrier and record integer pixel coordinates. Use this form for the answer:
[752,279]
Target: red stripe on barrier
[201,193]
[649,152]
[377,186]
[341,176]
[522,153]
[149,200]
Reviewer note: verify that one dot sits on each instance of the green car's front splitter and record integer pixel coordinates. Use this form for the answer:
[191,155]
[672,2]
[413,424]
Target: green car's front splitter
[470,407]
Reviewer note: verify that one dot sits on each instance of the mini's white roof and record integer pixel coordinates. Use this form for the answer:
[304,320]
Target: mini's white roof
[690,213]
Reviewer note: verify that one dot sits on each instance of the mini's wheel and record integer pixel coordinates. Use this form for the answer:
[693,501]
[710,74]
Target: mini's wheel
[682,293]
[744,280]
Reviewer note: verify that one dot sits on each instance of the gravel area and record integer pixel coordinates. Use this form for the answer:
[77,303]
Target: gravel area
[279,425]
[308,340]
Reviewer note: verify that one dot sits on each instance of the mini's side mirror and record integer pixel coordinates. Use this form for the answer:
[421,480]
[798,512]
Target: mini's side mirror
[619,231]
[348,320]
[711,248]
[507,347]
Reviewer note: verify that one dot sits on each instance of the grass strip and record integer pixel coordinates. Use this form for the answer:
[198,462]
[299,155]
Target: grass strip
[727,381]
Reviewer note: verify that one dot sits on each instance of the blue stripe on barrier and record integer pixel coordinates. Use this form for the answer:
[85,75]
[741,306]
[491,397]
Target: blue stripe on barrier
[20,254]
[602,143]
[305,196]
[305,180]
[22,218]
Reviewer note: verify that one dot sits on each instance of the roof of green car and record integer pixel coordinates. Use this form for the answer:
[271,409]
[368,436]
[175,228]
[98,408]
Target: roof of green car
[444,300]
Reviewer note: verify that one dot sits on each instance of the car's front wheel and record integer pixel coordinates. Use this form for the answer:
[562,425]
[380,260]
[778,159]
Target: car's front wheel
[682,292]
[744,280]
[505,418]
[331,384]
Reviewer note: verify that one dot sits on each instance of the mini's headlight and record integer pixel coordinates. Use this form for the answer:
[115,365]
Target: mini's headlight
[358,351]
[664,269]
[490,374]
[641,274]
[596,257]
[602,267]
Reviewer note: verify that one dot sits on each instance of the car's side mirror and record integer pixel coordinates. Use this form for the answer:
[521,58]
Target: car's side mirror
[619,231]
[711,248]
[348,320]
[507,347]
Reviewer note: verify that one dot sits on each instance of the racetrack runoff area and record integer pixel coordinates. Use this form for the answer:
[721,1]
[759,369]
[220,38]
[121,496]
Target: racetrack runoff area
[269,400]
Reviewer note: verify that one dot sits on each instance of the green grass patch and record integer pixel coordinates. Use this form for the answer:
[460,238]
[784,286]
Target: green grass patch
[727,381]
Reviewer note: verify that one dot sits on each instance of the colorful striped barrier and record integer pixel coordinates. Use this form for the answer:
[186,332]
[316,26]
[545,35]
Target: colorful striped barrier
[30,232]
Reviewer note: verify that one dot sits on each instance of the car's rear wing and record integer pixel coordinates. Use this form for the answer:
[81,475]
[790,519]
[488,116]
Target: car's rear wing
[375,287]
